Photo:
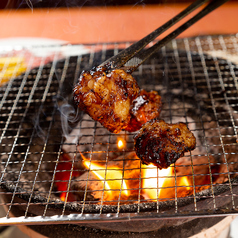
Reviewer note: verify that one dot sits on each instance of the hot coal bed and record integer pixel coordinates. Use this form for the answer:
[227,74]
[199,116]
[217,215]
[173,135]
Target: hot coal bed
[45,142]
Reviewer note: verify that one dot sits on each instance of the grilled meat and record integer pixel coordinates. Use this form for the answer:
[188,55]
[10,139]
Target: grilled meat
[161,144]
[115,100]
[145,107]
[107,97]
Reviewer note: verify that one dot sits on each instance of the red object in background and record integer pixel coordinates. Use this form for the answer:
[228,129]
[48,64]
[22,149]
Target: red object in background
[110,24]
[62,176]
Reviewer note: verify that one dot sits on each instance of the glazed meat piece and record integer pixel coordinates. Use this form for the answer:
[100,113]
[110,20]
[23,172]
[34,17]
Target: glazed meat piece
[115,100]
[107,98]
[161,144]
[145,107]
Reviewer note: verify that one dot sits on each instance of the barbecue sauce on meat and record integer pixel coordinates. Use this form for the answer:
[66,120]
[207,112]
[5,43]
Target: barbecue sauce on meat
[115,100]
[145,107]
[107,97]
[161,144]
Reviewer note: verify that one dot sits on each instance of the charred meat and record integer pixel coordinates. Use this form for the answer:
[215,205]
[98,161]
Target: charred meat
[161,144]
[145,107]
[107,97]
[115,100]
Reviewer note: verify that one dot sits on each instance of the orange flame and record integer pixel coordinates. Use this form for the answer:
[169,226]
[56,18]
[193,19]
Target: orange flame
[120,143]
[63,196]
[154,179]
[117,182]
[184,182]
[155,183]
[112,177]
[161,183]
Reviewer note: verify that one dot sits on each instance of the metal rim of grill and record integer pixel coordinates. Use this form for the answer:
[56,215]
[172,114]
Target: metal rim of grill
[199,75]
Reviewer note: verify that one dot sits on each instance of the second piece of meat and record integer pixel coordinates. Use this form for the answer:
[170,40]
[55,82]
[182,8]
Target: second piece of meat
[161,144]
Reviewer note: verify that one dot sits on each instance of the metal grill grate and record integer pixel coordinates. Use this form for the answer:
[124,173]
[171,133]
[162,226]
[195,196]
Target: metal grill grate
[43,138]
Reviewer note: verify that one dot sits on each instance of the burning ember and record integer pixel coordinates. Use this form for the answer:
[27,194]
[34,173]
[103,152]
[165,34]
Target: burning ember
[127,180]
[155,183]
[152,184]
[63,175]
[121,143]
[110,177]
[161,183]
[112,181]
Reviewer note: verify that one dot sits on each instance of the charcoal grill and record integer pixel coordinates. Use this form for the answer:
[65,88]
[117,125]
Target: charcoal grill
[197,79]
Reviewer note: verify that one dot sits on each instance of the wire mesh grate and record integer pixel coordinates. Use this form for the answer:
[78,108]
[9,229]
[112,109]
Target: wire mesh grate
[55,160]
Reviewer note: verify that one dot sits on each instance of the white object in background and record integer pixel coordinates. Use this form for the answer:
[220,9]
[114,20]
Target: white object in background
[42,47]
[234,228]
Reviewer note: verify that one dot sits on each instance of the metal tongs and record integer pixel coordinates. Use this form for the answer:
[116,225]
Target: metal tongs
[133,56]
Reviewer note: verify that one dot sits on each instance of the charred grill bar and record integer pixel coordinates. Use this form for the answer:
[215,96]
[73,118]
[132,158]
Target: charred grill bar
[45,142]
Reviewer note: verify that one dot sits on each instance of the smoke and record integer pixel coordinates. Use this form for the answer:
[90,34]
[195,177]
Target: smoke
[29,4]
[69,116]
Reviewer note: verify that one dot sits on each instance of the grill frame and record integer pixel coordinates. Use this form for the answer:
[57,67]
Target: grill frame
[119,212]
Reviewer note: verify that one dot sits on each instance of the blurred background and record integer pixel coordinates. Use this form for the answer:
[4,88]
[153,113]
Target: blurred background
[80,3]
[27,22]
[94,21]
